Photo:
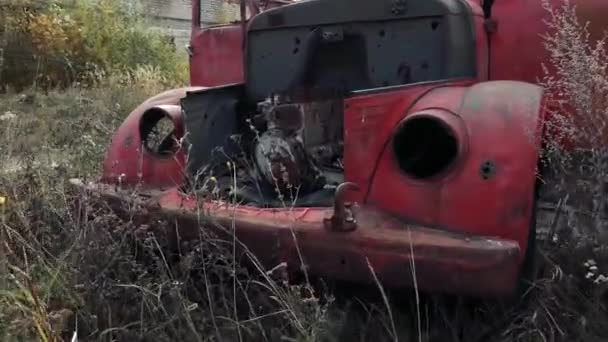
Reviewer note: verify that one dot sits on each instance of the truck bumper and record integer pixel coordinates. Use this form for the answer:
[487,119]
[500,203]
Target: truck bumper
[395,252]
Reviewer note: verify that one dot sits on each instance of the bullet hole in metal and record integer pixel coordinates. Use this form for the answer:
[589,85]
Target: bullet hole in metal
[487,170]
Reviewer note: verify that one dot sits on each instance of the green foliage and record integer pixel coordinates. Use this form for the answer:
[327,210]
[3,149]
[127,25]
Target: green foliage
[63,43]
[72,127]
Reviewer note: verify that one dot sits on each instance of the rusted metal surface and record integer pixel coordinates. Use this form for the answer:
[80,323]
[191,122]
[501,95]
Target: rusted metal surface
[444,262]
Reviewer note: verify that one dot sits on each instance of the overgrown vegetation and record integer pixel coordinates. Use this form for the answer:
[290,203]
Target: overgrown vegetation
[69,267]
[50,44]
[577,81]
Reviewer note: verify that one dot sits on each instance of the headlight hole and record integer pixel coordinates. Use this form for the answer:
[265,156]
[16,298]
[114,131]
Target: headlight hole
[425,146]
[157,132]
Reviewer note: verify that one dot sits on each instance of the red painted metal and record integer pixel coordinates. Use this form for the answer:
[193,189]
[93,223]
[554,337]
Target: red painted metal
[459,206]
[517,45]
[484,118]
[480,227]
[128,162]
[217,51]
[444,262]
[217,56]
[368,125]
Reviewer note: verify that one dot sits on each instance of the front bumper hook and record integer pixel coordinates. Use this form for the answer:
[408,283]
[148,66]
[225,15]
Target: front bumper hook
[343,218]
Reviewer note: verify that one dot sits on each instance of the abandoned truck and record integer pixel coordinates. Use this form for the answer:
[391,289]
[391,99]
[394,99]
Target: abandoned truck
[345,136]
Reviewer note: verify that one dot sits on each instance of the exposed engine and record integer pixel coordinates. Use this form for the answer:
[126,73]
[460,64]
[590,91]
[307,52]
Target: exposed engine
[280,155]
[272,153]
[297,153]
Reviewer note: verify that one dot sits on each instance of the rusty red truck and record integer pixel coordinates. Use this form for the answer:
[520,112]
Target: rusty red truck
[344,136]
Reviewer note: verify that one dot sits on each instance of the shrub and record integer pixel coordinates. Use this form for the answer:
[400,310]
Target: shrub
[577,82]
[60,43]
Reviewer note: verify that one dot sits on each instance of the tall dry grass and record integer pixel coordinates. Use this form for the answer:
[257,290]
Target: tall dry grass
[577,82]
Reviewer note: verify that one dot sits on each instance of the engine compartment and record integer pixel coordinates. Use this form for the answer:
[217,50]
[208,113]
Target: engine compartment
[273,153]
[284,153]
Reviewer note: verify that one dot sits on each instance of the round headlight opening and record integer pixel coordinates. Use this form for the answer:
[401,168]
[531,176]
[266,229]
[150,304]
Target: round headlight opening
[157,132]
[425,146]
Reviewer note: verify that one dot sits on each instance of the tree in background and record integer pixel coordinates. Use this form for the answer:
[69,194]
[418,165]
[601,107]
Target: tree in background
[60,43]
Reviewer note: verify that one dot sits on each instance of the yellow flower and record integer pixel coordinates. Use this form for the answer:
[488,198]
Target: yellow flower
[2,200]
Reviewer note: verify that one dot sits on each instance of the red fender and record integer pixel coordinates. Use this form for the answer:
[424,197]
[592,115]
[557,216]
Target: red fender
[128,162]
[487,190]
